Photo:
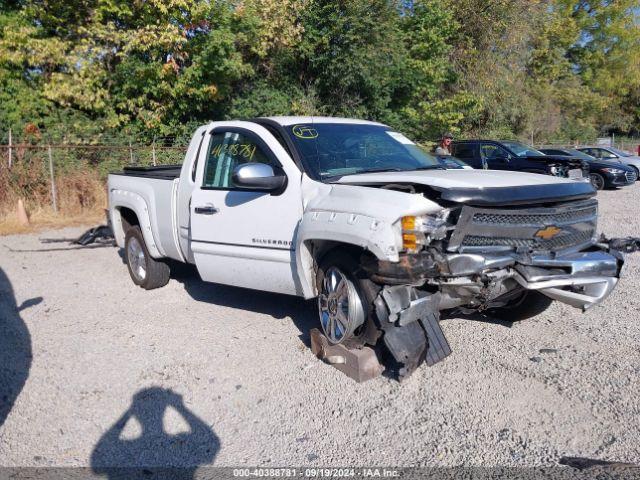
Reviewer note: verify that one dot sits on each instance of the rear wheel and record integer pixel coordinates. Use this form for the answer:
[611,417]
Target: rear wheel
[345,301]
[597,181]
[527,305]
[145,271]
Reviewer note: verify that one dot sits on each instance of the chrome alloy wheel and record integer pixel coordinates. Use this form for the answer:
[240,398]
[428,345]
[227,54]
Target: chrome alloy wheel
[340,307]
[135,256]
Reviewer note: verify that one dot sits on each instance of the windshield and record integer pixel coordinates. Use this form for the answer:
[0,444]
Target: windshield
[618,152]
[522,150]
[338,149]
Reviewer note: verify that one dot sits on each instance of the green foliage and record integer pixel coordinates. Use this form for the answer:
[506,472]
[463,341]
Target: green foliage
[552,69]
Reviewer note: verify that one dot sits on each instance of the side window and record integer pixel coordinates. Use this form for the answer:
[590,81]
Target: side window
[464,151]
[490,152]
[606,154]
[227,150]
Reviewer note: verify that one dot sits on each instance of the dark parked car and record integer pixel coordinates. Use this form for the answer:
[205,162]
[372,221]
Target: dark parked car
[511,155]
[603,174]
[612,154]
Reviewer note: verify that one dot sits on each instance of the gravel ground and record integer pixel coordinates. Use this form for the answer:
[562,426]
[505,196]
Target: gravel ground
[105,373]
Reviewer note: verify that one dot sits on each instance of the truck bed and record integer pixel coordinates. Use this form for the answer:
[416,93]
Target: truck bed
[162,172]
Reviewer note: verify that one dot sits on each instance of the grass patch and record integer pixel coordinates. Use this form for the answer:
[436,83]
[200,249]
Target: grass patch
[47,219]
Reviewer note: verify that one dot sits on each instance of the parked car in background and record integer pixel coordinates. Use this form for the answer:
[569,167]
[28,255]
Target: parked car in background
[602,173]
[511,155]
[614,155]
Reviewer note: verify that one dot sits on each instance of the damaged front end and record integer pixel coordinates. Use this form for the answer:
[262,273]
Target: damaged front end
[479,258]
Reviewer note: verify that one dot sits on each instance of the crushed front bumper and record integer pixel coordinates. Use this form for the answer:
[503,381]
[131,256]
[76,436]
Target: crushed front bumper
[418,287]
[581,279]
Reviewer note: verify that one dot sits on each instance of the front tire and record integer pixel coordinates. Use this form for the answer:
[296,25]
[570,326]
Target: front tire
[345,301]
[145,271]
[523,307]
[597,181]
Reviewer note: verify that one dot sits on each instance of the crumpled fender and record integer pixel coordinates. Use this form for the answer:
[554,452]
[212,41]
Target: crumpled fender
[362,216]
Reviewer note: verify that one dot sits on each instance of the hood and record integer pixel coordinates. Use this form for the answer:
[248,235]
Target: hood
[608,164]
[481,187]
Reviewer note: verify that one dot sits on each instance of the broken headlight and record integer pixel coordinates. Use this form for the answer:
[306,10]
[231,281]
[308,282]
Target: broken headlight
[418,231]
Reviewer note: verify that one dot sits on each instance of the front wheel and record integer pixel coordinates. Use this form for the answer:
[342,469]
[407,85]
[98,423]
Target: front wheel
[597,181]
[345,301]
[145,271]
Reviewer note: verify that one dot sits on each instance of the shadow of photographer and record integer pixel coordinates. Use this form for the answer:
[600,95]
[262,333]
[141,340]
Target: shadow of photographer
[15,346]
[138,444]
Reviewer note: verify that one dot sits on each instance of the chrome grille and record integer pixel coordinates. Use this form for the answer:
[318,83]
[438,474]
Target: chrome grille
[534,219]
[556,243]
[475,241]
[630,176]
[526,229]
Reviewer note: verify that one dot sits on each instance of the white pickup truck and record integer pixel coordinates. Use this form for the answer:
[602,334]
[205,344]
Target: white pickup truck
[357,215]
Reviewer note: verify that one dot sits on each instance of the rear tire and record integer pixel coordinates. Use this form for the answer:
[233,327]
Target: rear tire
[352,311]
[145,271]
[527,305]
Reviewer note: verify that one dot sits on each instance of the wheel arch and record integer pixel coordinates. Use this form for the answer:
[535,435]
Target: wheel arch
[129,209]
[311,252]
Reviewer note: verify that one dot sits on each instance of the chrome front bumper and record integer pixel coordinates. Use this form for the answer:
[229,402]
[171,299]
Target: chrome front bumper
[581,280]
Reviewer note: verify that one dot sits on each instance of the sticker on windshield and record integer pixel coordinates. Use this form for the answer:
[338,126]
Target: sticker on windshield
[304,132]
[399,137]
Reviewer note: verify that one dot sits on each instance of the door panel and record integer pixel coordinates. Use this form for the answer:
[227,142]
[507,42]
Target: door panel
[494,157]
[242,237]
[467,152]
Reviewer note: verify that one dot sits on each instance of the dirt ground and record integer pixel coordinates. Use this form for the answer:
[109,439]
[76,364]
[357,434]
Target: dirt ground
[95,371]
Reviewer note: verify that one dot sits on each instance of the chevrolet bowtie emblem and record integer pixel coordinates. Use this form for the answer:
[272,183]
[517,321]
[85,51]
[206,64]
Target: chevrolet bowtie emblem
[548,233]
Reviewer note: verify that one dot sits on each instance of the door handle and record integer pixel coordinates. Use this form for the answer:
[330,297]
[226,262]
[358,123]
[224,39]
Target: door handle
[206,210]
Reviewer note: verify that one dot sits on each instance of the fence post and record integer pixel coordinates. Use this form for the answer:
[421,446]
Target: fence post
[54,200]
[10,149]
[130,153]
[153,151]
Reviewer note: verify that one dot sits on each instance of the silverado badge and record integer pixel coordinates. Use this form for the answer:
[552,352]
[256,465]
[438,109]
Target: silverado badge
[548,233]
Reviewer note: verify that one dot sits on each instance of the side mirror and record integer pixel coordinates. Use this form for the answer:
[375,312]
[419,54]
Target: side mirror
[258,176]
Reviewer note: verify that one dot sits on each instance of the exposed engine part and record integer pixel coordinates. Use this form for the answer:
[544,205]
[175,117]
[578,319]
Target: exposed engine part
[405,306]
[410,269]
[409,319]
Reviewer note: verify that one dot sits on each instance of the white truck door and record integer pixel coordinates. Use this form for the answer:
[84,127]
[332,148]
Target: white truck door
[242,237]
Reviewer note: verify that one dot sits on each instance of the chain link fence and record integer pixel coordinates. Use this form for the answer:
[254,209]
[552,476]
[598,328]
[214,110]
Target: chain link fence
[70,177]
[628,144]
